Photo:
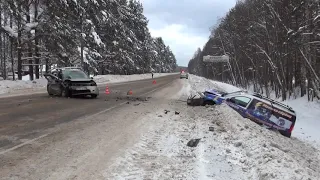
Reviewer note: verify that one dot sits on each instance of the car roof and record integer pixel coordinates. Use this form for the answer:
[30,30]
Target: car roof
[66,68]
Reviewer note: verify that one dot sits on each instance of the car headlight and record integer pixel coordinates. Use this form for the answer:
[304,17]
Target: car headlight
[93,83]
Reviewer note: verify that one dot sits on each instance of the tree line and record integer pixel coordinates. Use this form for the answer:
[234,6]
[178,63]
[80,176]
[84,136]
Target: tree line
[103,37]
[273,46]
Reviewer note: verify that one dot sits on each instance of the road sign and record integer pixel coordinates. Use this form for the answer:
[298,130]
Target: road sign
[215,59]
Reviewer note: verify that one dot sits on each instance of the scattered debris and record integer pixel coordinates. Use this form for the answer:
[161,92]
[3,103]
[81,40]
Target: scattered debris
[211,128]
[238,144]
[264,145]
[228,150]
[160,116]
[193,142]
[176,112]
[128,102]
[166,111]
[137,104]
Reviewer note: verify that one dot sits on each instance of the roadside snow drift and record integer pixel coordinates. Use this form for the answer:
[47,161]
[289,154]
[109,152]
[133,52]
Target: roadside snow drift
[230,147]
[122,78]
[308,113]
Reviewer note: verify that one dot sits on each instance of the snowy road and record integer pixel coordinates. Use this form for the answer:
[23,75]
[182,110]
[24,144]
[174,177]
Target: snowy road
[145,139]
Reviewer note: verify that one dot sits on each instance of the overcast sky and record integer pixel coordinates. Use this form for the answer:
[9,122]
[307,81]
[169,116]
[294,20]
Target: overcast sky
[184,25]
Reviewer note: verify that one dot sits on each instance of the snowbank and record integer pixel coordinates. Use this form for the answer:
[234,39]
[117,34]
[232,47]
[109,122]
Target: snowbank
[8,86]
[202,84]
[122,78]
[230,147]
[308,120]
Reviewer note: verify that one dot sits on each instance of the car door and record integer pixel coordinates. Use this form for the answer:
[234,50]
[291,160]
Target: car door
[239,104]
[54,83]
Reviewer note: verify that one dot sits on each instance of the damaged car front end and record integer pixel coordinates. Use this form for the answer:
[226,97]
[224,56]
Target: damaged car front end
[69,82]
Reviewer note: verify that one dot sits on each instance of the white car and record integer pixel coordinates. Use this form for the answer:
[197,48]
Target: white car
[183,75]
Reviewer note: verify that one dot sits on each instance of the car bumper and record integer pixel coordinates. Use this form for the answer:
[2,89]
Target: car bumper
[84,90]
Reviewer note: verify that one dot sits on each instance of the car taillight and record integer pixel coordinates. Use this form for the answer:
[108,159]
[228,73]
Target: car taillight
[291,128]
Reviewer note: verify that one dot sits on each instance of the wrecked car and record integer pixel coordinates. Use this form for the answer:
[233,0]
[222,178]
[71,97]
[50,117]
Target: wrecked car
[264,111]
[69,82]
[256,107]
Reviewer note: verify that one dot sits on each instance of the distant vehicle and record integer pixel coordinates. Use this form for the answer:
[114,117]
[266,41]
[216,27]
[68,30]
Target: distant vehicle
[71,81]
[183,74]
[256,107]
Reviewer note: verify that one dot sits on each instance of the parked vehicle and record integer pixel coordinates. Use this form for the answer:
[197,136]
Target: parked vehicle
[71,81]
[256,107]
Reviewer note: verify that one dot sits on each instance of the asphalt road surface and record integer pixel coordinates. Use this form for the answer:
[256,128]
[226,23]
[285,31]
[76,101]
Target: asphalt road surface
[31,124]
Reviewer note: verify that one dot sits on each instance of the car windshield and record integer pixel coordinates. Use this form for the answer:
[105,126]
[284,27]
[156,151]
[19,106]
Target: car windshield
[74,74]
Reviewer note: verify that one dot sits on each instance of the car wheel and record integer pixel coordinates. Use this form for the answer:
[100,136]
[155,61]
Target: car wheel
[65,92]
[93,96]
[208,103]
[48,90]
[286,134]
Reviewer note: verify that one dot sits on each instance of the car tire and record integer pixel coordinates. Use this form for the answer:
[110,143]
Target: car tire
[208,103]
[93,96]
[286,134]
[48,90]
[64,92]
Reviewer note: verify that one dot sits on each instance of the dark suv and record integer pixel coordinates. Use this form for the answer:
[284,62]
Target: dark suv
[70,81]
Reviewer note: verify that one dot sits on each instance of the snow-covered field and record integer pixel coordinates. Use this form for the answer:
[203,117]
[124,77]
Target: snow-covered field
[25,85]
[233,148]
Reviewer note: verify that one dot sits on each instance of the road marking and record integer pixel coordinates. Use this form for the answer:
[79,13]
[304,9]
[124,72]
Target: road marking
[22,144]
[103,111]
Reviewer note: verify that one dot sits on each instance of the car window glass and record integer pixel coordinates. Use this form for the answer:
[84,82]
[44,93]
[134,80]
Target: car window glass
[241,100]
[74,74]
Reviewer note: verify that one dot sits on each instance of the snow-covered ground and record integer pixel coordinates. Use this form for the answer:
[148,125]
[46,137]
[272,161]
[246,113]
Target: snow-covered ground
[308,113]
[230,147]
[38,85]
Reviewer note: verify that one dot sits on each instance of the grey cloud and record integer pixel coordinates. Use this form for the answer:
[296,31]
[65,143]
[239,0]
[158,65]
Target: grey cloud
[198,16]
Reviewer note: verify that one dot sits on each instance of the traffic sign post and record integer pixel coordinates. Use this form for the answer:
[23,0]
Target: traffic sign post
[219,59]
[216,59]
